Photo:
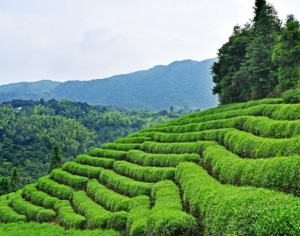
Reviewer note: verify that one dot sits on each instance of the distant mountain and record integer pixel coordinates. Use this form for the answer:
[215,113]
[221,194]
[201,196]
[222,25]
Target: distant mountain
[185,84]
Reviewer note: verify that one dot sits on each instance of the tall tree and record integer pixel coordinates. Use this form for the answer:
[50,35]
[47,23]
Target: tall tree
[286,55]
[230,84]
[55,160]
[14,179]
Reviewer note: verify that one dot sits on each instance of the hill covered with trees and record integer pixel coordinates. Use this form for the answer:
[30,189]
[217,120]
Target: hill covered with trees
[230,170]
[261,59]
[186,84]
[29,129]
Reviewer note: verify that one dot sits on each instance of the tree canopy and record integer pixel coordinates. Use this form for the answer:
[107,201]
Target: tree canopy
[260,59]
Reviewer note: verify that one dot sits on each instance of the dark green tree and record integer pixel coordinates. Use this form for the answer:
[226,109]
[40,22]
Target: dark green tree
[4,185]
[14,179]
[258,65]
[55,160]
[231,86]
[286,55]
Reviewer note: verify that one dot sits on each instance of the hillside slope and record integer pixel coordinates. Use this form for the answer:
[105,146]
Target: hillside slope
[230,170]
[185,84]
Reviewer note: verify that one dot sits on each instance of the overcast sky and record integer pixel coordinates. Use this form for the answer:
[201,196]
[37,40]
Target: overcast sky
[82,40]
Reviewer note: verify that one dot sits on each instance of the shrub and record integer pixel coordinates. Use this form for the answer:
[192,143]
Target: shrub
[126,185]
[74,181]
[108,198]
[83,170]
[95,214]
[32,212]
[114,154]
[39,198]
[67,217]
[54,189]
[237,210]
[291,96]
[106,163]
[121,146]
[8,215]
[162,160]
[145,174]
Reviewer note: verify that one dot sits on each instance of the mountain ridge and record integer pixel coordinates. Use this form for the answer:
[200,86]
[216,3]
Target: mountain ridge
[185,84]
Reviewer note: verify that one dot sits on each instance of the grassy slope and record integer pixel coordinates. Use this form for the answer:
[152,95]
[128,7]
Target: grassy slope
[230,170]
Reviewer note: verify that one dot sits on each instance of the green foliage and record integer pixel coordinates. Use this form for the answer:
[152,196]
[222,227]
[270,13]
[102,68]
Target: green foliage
[67,217]
[44,229]
[145,174]
[175,148]
[27,135]
[167,217]
[54,189]
[291,96]
[31,194]
[124,184]
[14,179]
[55,160]
[7,214]
[83,170]
[95,214]
[277,173]
[286,55]
[64,177]
[95,161]
[121,146]
[236,210]
[108,198]
[114,154]
[32,212]
[161,160]
[245,69]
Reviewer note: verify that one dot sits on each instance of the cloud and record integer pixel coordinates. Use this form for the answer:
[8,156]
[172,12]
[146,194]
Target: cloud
[72,39]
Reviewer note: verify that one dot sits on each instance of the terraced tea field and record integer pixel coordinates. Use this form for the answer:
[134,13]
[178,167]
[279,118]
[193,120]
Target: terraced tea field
[230,170]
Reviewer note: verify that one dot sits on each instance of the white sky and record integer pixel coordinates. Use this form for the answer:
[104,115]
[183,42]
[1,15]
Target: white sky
[82,40]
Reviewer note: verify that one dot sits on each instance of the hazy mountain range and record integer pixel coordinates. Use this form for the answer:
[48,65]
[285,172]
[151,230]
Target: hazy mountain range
[185,84]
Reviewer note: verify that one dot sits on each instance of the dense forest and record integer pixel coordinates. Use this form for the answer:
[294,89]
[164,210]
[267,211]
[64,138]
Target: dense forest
[261,59]
[29,129]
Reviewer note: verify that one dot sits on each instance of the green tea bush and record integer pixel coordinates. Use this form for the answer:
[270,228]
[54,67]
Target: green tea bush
[209,135]
[167,217]
[161,160]
[140,140]
[118,221]
[291,96]
[95,214]
[8,215]
[83,170]
[30,193]
[106,163]
[137,217]
[124,184]
[32,212]
[67,217]
[108,198]
[114,154]
[121,146]
[54,189]
[74,181]
[229,210]
[32,228]
[145,174]
[249,145]
[277,173]
[176,148]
